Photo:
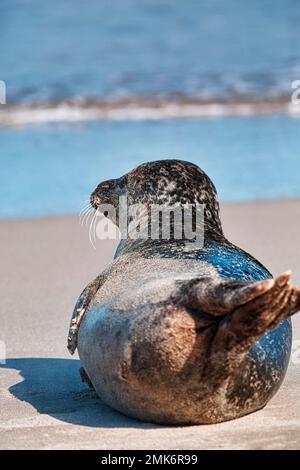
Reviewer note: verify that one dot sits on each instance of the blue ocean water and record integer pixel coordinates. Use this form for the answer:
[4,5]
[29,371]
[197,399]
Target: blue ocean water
[60,51]
[53,169]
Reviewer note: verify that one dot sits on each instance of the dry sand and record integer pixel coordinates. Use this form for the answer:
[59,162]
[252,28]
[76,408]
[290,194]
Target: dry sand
[45,263]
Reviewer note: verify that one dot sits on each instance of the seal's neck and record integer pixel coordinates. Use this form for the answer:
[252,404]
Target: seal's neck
[155,244]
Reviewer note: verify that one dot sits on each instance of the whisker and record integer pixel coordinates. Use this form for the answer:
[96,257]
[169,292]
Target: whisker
[91,230]
[86,203]
[86,216]
[84,209]
[95,225]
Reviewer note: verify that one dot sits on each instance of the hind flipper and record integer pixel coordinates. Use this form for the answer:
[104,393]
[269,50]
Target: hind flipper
[239,313]
[238,331]
[79,311]
[219,297]
[262,314]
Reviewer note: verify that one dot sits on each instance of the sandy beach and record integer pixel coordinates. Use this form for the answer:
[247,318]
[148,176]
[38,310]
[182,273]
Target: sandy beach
[45,263]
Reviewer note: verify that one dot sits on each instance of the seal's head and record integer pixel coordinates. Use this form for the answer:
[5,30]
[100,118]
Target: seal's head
[163,182]
[108,192]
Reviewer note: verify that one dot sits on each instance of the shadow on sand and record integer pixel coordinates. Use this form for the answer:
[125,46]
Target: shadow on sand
[53,387]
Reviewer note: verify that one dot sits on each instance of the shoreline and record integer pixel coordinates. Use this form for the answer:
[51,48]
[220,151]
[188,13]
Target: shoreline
[141,108]
[43,404]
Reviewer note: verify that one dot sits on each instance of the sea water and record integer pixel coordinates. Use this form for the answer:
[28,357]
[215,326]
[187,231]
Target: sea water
[53,169]
[86,53]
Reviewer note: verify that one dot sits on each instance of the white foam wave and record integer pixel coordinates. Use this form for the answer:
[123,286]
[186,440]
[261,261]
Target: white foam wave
[11,116]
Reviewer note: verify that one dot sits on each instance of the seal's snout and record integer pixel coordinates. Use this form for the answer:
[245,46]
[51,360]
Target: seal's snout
[104,194]
[95,200]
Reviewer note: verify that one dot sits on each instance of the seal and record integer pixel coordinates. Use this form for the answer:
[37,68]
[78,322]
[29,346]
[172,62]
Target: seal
[180,333]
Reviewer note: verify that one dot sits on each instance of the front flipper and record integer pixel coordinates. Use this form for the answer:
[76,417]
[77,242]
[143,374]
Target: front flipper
[85,378]
[80,309]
